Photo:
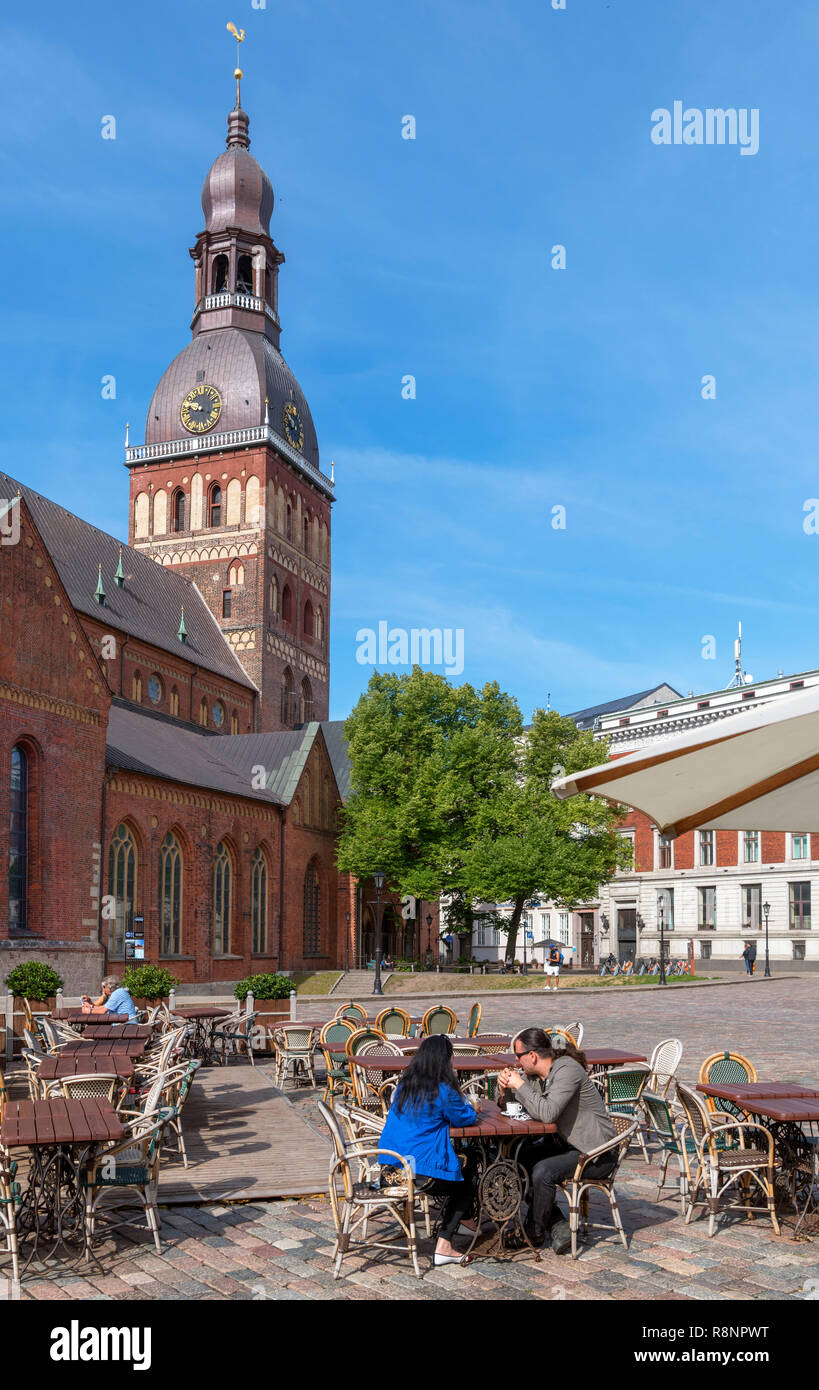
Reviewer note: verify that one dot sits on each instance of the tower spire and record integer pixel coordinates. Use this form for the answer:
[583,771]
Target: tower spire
[239,35]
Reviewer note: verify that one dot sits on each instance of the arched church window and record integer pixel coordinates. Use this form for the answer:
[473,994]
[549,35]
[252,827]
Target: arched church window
[274,596]
[220,274]
[122,878]
[288,698]
[287,604]
[308,619]
[203,713]
[319,624]
[244,275]
[178,510]
[170,896]
[306,701]
[175,701]
[136,688]
[312,905]
[306,535]
[289,523]
[227,603]
[215,506]
[221,900]
[258,903]
[18,840]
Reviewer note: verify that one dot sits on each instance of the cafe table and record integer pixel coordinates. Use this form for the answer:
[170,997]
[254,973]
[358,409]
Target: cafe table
[204,1017]
[79,1018]
[86,1064]
[117,1032]
[132,1047]
[59,1136]
[785,1108]
[503,1181]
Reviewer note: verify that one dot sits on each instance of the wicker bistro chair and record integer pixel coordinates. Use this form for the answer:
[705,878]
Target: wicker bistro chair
[130,1163]
[234,1035]
[364,1127]
[559,1036]
[473,1023]
[438,1019]
[663,1065]
[367,1085]
[9,1202]
[679,1144]
[721,1166]
[162,1054]
[580,1184]
[3,1095]
[624,1087]
[356,1201]
[175,1092]
[726,1068]
[93,1086]
[333,1042]
[575,1032]
[394,1023]
[295,1044]
[353,1011]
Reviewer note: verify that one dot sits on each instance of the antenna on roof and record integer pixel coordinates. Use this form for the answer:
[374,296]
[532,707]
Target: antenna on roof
[739,677]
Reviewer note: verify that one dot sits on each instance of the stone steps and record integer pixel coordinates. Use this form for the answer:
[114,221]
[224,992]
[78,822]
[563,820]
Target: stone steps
[355,983]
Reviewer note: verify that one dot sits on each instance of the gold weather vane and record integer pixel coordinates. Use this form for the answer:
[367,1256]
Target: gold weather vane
[239,35]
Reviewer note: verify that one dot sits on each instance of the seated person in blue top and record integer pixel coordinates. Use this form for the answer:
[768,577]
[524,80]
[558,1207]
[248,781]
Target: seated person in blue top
[115,997]
[428,1100]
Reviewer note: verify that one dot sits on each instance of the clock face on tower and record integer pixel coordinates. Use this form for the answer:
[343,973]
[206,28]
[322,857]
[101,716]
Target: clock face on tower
[293,428]
[201,409]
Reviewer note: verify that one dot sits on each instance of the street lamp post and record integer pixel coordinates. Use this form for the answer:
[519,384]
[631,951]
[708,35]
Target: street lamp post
[662,942]
[525,935]
[347,945]
[378,879]
[428,952]
[766,907]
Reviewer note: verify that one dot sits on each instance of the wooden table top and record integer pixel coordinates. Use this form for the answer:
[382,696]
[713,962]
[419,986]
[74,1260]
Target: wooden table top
[479,1040]
[115,1032]
[492,1123]
[740,1092]
[611,1056]
[796,1109]
[133,1047]
[36,1123]
[389,1062]
[201,1011]
[79,1016]
[86,1064]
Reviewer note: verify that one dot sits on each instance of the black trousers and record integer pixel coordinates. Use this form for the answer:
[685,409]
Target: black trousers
[547,1161]
[460,1195]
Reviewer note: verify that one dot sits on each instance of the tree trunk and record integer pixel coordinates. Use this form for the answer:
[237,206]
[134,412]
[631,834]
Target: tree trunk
[512,934]
[466,934]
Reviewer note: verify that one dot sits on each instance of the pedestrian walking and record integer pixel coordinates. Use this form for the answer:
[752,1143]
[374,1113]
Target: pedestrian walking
[749,958]
[554,960]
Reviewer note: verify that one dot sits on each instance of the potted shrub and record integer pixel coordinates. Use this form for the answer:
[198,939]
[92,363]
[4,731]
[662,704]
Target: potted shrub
[148,984]
[271,1000]
[37,982]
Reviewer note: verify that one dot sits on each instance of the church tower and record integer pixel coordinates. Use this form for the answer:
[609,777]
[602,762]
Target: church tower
[227,488]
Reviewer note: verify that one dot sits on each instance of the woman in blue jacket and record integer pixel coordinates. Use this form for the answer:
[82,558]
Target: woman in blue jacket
[427,1101]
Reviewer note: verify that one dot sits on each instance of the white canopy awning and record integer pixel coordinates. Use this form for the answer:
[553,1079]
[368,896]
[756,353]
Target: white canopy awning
[756,769]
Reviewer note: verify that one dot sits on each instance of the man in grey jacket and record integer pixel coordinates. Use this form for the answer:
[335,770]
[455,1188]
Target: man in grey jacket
[556,1089]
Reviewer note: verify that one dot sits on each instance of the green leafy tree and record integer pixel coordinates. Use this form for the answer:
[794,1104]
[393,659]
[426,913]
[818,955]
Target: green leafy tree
[425,756]
[529,843]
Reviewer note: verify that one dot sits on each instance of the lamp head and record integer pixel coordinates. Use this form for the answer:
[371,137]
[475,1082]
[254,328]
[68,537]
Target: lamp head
[378,879]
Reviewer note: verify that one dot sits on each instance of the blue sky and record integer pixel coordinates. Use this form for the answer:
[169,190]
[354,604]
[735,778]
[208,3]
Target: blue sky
[535,387]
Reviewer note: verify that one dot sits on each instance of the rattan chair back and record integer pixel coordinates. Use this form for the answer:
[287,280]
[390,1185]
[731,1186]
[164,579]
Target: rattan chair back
[660,1116]
[438,1019]
[394,1022]
[663,1064]
[473,1023]
[94,1086]
[726,1068]
[363,1035]
[352,1010]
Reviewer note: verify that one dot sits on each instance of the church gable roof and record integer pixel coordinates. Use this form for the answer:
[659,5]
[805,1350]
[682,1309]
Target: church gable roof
[155,744]
[150,602]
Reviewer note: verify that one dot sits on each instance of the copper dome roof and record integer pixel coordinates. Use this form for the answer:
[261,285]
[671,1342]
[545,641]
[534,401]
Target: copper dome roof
[245,368]
[237,191]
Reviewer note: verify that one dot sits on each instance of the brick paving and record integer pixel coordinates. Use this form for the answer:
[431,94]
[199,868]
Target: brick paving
[281,1249]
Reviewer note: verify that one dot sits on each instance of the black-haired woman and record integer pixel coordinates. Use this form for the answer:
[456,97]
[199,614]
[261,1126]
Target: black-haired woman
[428,1100]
